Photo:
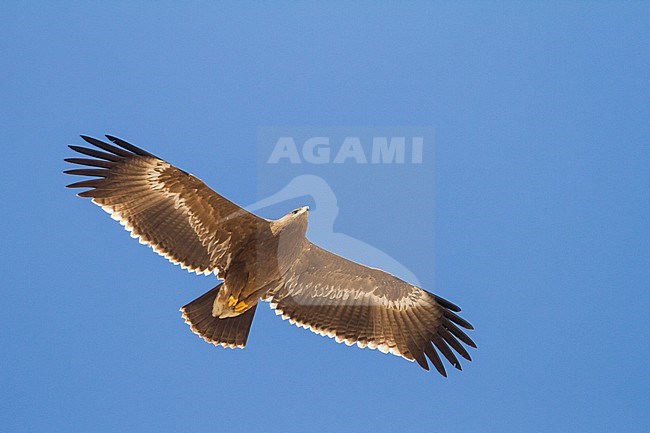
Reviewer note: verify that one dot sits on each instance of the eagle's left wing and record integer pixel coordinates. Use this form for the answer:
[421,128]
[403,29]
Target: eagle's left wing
[165,207]
[352,303]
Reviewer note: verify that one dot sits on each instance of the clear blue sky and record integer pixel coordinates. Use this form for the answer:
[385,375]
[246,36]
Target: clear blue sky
[537,226]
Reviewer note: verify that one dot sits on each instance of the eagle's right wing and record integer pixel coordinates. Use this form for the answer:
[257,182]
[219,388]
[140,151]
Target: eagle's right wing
[352,303]
[168,209]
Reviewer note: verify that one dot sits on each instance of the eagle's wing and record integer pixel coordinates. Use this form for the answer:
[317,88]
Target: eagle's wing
[168,209]
[352,303]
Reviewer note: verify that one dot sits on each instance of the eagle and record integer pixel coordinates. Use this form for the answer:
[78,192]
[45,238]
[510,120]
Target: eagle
[257,259]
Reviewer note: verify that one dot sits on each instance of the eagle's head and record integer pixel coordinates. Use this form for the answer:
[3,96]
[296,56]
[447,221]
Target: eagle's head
[297,216]
[292,224]
[300,211]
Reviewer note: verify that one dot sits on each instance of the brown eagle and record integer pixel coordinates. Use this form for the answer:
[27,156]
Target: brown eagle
[183,220]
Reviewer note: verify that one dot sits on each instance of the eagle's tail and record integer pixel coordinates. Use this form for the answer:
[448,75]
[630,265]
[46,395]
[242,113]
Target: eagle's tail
[229,332]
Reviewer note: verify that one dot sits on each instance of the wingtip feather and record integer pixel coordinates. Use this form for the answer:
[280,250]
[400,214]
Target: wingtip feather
[93,183]
[435,358]
[128,146]
[458,320]
[447,304]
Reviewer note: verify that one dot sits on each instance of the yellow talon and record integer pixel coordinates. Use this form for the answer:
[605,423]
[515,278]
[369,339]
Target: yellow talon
[241,306]
[236,305]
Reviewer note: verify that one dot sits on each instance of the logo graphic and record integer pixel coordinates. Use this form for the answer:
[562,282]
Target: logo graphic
[321,225]
[359,150]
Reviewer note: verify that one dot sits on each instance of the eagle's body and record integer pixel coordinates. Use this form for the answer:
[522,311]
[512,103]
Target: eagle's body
[257,259]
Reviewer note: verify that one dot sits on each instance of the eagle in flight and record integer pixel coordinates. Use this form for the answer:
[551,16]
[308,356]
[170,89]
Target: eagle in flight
[257,259]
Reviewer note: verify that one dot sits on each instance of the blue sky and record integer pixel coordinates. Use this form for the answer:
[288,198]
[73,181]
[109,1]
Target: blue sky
[530,210]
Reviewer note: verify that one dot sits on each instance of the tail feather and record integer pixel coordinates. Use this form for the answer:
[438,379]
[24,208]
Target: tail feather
[229,332]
